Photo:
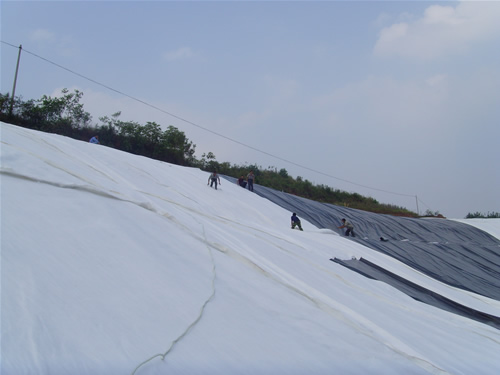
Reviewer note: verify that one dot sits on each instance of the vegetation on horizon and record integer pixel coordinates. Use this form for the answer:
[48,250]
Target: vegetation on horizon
[479,215]
[65,115]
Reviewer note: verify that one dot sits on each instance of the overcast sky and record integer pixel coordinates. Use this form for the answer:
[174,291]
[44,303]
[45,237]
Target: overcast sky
[318,88]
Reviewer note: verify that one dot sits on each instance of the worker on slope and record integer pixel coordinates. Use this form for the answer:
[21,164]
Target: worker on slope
[213,178]
[295,221]
[349,226]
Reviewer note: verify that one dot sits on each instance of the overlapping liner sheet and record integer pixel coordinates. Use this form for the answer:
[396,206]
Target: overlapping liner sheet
[454,253]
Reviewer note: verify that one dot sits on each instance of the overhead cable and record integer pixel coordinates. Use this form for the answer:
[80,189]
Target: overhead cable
[206,129]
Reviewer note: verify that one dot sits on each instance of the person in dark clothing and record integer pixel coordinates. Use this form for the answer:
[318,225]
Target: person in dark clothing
[214,177]
[349,226]
[242,182]
[295,221]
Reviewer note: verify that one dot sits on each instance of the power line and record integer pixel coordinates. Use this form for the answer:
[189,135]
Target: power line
[206,129]
[423,203]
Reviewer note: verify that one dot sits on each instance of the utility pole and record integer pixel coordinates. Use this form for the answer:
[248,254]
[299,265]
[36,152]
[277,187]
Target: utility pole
[15,81]
[416,199]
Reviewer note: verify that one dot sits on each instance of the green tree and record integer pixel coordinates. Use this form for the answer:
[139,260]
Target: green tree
[65,115]
[208,162]
[283,173]
[480,215]
[62,115]
[179,148]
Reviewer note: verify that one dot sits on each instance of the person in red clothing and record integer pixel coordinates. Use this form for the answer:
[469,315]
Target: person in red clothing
[242,182]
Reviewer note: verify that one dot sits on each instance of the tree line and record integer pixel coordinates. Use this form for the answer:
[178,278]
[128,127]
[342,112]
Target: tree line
[66,116]
[480,215]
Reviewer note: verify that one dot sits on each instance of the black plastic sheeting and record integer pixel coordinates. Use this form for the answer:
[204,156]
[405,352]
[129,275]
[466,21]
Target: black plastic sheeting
[454,253]
[416,291]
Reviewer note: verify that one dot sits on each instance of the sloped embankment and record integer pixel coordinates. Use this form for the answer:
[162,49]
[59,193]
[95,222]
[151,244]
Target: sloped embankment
[451,252]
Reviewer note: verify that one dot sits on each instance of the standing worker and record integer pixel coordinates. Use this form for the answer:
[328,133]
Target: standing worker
[250,179]
[349,226]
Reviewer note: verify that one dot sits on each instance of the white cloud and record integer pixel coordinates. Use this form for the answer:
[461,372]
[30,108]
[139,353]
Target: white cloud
[65,45]
[442,30]
[383,107]
[443,15]
[179,54]
[42,35]
[392,34]
[382,20]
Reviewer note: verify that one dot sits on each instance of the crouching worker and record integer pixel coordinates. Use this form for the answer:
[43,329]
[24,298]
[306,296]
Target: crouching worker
[242,182]
[295,221]
[214,177]
[349,226]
